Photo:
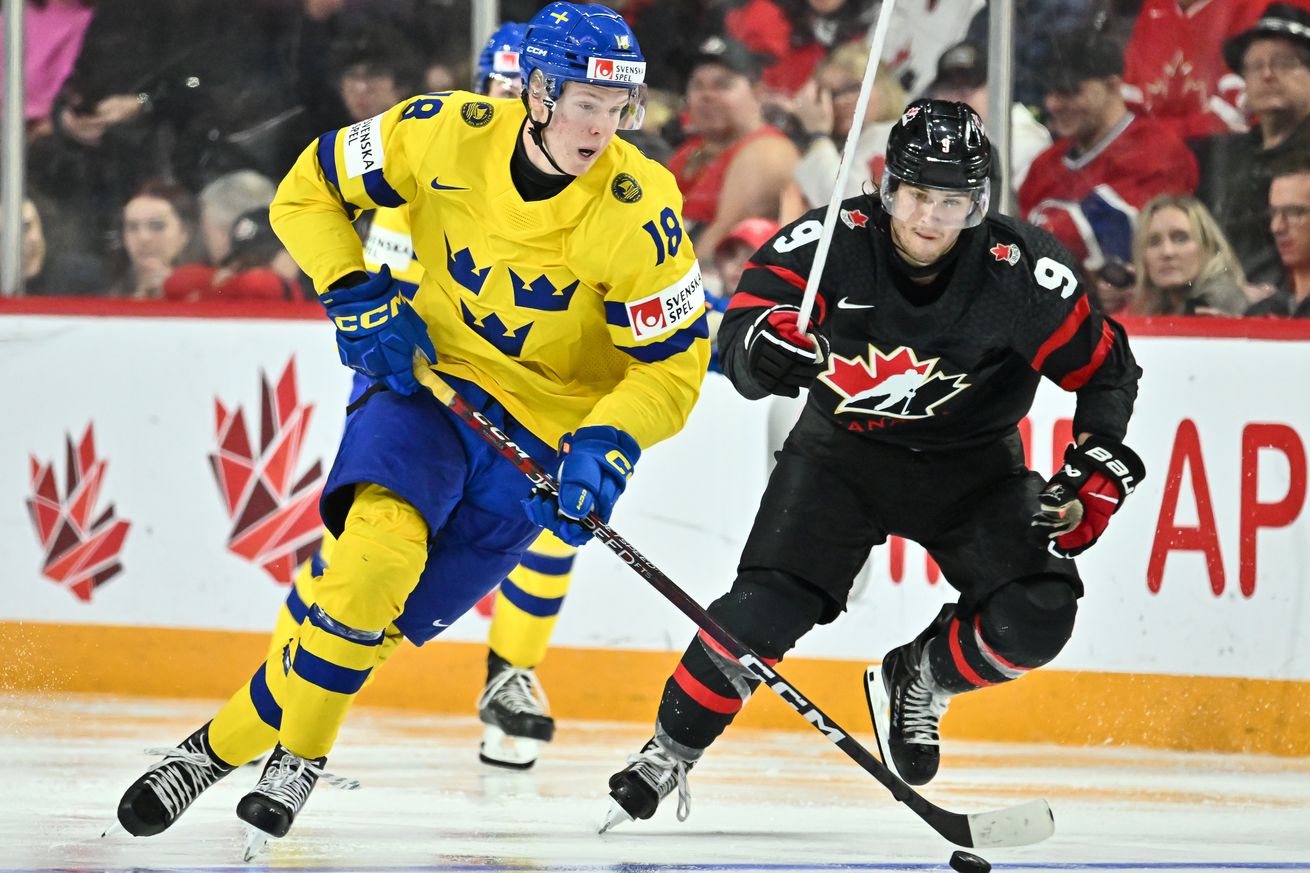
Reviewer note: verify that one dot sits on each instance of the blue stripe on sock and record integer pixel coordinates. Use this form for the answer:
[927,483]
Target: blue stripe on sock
[269,712]
[541,607]
[327,675]
[546,564]
[296,606]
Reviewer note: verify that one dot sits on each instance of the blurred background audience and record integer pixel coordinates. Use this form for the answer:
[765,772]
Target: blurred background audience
[1165,142]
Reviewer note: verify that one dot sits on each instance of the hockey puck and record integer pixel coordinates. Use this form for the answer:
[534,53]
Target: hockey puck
[965,862]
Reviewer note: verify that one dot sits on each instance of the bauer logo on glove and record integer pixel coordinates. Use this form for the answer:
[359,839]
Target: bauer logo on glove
[1076,505]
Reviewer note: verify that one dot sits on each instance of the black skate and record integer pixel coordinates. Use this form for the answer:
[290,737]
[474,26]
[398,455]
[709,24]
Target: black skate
[156,800]
[281,793]
[906,710]
[513,707]
[651,776]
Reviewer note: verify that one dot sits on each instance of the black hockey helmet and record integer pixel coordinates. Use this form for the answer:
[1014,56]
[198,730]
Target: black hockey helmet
[939,144]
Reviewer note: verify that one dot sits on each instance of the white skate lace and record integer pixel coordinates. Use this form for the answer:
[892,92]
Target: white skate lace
[176,787]
[658,767]
[283,781]
[922,712]
[518,690]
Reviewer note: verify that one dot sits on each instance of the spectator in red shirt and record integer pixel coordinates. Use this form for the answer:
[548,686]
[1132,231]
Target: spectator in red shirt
[1174,71]
[734,165]
[1087,187]
[257,269]
[796,34]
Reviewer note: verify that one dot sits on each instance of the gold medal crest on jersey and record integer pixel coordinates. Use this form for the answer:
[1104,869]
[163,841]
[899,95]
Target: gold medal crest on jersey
[476,114]
[625,188]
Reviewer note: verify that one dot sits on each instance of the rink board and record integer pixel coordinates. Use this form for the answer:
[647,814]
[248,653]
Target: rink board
[1189,636]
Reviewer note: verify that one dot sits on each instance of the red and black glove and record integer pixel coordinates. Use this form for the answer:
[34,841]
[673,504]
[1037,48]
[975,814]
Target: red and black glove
[1079,499]
[781,359]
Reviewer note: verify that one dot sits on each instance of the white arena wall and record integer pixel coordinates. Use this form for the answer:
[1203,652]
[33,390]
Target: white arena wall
[1190,635]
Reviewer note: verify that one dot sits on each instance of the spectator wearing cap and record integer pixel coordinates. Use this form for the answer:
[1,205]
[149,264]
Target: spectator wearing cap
[257,269]
[1107,163]
[734,165]
[1273,58]
[824,110]
[962,77]
[225,199]
[1289,219]
[1174,70]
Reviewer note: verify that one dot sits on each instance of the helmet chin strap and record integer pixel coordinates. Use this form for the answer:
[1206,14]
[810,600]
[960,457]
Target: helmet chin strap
[537,130]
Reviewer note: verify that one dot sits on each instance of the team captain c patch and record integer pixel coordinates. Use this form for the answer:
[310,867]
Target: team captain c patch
[659,313]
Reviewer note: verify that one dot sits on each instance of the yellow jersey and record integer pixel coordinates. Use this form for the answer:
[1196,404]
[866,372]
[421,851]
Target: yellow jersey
[586,308]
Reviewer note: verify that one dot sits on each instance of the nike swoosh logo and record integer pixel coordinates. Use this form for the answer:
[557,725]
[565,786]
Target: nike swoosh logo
[845,303]
[438,186]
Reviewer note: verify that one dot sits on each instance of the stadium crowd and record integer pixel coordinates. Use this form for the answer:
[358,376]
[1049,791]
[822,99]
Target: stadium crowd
[1166,143]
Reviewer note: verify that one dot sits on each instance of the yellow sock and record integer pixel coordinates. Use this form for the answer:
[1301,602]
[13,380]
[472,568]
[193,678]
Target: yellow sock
[529,601]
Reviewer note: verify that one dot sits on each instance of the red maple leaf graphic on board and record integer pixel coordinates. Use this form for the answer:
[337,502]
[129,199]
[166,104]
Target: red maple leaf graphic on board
[81,554]
[274,513]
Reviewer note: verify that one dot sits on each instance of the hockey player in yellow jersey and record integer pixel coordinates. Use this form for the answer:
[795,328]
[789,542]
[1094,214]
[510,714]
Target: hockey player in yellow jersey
[526,606]
[559,296]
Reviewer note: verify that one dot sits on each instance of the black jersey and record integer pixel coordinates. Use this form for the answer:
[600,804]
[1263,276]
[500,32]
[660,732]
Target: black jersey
[956,363]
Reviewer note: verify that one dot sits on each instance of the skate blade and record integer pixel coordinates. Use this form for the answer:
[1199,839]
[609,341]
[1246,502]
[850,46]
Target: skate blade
[880,707]
[499,749]
[615,815]
[114,827]
[255,842]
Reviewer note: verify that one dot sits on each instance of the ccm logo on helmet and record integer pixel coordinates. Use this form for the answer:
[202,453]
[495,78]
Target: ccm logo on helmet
[627,72]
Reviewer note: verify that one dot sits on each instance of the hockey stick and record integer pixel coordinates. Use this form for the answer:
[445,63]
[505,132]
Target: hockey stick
[1020,825]
[844,168]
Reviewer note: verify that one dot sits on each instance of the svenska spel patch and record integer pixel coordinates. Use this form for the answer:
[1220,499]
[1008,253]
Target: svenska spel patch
[672,307]
[609,70]
[362,148]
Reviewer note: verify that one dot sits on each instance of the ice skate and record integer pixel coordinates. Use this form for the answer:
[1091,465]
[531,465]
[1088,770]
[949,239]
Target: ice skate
[513,708]
[154,802]
[282,791]
[907,710]
[637,789]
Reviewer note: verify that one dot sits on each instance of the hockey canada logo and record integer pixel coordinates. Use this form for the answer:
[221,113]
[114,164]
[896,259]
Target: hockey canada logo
[625,188]
[81,554]
[1006,254]
[476,114]
[895,385]
[853,218]
[275,516]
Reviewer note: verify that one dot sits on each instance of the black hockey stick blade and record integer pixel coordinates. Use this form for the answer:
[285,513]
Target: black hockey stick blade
[1020,825]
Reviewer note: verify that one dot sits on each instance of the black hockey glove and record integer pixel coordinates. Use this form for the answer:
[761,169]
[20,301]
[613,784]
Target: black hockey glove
[1079,499]
[781,359]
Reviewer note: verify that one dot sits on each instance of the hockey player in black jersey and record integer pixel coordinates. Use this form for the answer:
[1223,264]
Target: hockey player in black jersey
[934,323]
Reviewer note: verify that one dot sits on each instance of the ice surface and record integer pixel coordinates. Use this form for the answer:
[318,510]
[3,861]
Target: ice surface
[767,801]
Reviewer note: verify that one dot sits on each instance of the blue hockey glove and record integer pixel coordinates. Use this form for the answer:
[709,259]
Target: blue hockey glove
[378,331]
[597,464]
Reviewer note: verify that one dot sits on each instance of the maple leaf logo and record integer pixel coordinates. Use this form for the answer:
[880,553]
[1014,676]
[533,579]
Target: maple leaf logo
[275,517]
[80,554]
[895,384]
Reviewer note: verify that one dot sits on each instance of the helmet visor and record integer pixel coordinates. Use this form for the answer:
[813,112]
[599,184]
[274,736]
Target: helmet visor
[944,208]
[581,108]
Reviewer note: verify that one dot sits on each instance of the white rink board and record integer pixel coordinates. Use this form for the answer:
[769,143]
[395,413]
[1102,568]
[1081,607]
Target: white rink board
[149,385]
